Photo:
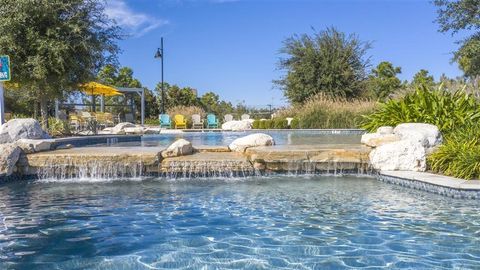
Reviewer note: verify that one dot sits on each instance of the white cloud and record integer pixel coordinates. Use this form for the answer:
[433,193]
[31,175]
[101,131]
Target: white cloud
[137,24]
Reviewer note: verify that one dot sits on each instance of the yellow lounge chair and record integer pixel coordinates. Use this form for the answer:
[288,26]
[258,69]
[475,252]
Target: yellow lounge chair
[180,121]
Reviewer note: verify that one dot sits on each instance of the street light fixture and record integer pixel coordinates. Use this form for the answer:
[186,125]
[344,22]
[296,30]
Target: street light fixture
[159,54]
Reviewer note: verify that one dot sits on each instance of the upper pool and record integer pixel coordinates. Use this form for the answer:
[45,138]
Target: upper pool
[283,137]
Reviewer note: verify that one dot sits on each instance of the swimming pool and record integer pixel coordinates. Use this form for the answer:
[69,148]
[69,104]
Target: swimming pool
[278,222]
[283,137]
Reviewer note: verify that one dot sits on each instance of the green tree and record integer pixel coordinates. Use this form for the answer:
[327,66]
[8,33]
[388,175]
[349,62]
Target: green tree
[468,56]
[384,81]
[55,44]
[458,15]
[422,77]
[328,61]
[176,96]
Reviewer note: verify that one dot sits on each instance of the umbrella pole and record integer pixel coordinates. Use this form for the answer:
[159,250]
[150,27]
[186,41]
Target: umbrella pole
[93,103]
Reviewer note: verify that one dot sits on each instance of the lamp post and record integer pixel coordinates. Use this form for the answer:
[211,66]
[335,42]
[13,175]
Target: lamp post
[160,55]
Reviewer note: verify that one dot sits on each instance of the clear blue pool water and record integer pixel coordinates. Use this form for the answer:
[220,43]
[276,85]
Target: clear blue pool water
[283,222]
[285,137]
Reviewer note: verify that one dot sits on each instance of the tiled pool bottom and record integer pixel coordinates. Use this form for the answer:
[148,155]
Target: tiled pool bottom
[279,222]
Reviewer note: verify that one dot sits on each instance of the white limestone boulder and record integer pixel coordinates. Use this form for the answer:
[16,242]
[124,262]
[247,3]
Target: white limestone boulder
[32,146]
[134,130]
[428,135]
[238,125]
[180,147]
[385,130]
[252,140]
[9,154]
[404,155]
[377,139]
[22,128]
[119,129]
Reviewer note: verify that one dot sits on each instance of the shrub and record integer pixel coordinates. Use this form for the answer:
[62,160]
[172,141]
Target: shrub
[58,127]
[152,121]
[261,124]
[280,123]
[325,112]
[256,124]
[459,155]
[447,110]
[295,123]
[268,124]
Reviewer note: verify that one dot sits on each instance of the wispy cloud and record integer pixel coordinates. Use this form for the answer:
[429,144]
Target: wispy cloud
[135,23]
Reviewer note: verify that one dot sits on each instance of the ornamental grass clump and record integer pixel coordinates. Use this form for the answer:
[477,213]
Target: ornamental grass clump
[459,155]
[322,111]
[455,113]
[447,110]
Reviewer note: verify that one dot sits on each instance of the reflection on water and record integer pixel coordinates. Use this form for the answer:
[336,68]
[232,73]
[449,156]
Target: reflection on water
[225,138]
[309,222]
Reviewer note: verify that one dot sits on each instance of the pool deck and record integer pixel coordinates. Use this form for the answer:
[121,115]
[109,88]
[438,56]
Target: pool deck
[439,184]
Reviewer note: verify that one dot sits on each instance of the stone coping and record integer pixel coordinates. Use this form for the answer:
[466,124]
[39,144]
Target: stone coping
[435,179]
[439,184]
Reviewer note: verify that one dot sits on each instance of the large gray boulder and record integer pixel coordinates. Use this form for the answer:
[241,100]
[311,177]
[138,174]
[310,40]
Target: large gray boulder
[253,140]
[32,146]
[26,128]
[180,147]
[404,155]
[428,135]
[9,154]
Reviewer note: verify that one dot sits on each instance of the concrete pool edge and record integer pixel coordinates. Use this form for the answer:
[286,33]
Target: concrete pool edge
[433,183]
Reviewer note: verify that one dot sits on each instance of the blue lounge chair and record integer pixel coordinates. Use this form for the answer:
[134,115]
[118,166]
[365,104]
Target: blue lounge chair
[164,121]
[212,121]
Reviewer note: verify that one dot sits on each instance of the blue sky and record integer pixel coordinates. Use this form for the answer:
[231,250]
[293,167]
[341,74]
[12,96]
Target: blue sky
[231,47]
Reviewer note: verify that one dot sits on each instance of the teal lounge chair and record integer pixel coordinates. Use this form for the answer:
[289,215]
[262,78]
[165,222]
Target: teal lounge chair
[212,121]
[164,121]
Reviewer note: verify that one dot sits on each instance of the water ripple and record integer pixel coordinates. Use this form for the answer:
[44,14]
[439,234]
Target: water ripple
[279,222]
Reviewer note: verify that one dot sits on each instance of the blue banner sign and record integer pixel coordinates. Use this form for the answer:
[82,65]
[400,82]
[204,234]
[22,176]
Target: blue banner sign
[4,68]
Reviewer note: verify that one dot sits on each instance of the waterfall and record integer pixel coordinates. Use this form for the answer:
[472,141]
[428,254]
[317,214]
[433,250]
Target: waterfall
[87,168]
[215,169]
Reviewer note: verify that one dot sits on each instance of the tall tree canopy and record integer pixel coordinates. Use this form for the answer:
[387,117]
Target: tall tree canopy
[423,77]
[328,61]
[384,81]
[458,15]
[56,44]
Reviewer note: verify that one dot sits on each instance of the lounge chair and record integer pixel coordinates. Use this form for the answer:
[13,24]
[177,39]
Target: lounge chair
[228,117]
[245,116]
[212,121]
[165,121]
[179,121]
[197,121]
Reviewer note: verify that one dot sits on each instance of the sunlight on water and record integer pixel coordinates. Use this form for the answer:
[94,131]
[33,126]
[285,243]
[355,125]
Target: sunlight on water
[268,222]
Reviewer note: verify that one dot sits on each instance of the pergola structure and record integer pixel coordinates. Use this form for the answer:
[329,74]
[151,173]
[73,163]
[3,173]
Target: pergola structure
[123,90]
